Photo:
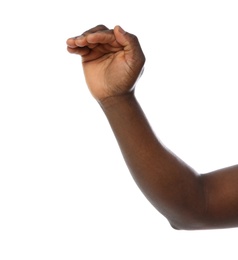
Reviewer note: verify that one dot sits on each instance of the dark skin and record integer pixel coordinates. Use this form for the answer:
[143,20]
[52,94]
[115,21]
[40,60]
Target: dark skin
[112,62]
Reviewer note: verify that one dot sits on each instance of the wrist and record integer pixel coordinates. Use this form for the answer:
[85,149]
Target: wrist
[117,100]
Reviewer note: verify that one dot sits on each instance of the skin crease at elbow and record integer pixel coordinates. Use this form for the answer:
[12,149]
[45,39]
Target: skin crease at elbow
[113,61]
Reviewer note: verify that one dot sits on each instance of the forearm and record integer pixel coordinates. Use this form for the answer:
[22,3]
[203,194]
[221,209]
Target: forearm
[170,185]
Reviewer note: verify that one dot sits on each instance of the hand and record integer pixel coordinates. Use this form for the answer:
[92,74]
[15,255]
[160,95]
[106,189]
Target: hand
[112,60]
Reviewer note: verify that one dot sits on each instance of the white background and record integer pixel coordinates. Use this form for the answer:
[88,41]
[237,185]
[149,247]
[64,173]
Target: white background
[65,192]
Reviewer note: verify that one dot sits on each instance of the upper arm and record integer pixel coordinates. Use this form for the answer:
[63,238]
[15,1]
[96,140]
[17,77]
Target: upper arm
[221,189]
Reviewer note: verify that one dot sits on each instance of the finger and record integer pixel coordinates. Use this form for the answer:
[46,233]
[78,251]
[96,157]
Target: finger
[101,37]
[97,28]
[71,43]
[76,41]
[82,41]
[92,40]
[80,51]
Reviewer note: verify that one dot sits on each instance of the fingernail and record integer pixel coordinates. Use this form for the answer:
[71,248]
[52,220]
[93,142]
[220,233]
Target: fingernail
[80,37]
[121,30]
[78,40]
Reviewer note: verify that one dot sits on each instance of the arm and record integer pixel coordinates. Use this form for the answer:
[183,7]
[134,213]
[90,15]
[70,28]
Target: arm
[112,62]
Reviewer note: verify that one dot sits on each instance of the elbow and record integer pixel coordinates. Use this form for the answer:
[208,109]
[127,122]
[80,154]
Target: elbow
[189,225]
[190,220]
[185,227]
[175,227]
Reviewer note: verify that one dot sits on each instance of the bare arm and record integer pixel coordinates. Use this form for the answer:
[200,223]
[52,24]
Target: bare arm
[113,62]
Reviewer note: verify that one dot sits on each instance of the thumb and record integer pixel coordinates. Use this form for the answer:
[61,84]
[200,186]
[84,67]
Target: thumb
[129,41]
[121,36]
[133,52]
